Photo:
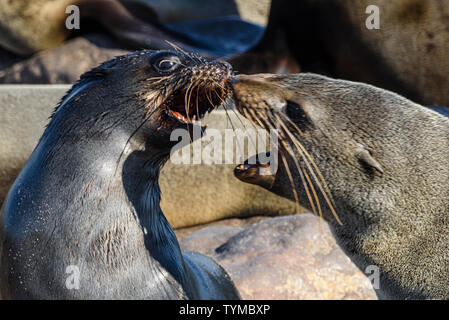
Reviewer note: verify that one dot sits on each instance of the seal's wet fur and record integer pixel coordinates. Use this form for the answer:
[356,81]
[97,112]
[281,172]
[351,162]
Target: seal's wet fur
[83,220]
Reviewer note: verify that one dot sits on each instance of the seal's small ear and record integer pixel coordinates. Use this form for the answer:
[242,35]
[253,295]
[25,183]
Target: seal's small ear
[95,74]
[102,70]
[99,72]
[363,154]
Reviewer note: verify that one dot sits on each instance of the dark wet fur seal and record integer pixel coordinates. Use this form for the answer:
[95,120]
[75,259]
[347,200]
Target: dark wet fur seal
[381,164]
[408,54]
[89,194]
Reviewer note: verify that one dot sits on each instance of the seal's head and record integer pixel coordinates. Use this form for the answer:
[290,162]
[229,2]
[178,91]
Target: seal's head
[145,95]
[275,103]
[340,142]
[327,135]
[377,158]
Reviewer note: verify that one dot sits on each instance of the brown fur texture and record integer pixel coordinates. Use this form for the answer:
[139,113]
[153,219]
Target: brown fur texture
[30,26]
[408,54]
[384,160]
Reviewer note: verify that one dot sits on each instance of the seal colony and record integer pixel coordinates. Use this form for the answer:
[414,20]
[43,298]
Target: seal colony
[407,54]
[87,200]
[370,162]
[27,27]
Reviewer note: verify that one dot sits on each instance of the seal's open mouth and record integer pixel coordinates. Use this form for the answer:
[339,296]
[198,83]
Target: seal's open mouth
[189,107]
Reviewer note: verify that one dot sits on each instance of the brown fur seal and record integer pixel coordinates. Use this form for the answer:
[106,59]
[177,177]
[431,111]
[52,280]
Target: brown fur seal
[83,218]
[30,26]
[408,54]
[371,162]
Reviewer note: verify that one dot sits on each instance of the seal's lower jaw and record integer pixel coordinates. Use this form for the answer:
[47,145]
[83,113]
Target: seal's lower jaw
[253,171]
[258,174]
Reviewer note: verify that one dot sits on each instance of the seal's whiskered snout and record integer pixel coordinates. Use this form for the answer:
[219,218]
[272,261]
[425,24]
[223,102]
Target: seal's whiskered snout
[189,85]
[260,99]
[207,89]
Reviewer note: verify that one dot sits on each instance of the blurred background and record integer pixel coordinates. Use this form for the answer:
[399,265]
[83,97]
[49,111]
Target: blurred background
[399,45]
[37,46]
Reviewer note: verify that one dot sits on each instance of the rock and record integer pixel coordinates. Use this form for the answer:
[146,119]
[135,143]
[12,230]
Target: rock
[56,66]
[28,27]
[206,240]
[231,226]
[24,113]
[291,257]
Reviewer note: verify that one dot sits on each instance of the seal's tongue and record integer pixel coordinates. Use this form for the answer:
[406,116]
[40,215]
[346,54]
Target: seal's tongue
[179,116]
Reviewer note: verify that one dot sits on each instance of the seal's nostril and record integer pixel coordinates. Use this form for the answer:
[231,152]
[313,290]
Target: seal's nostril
[227,65]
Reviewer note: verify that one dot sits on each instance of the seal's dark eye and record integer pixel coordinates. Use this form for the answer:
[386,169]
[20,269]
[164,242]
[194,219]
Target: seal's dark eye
[298,115]
[294,111]
[167,63]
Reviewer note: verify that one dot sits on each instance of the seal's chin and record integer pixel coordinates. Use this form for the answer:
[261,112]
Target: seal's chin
[189,108]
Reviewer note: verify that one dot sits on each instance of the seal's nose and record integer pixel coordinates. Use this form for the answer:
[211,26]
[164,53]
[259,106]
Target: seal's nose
[224,66]
[227,65]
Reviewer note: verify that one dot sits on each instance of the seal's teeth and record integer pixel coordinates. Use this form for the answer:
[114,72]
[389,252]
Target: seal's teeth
[179,116]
